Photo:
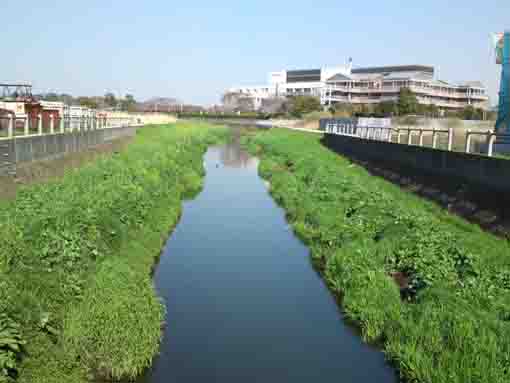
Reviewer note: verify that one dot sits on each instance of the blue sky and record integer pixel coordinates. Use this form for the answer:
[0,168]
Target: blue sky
[194,50]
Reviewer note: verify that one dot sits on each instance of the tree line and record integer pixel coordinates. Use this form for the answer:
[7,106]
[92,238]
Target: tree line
[298,106]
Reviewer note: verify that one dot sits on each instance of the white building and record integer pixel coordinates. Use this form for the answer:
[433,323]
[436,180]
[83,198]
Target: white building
[308,82]
[368,86]
[383,84]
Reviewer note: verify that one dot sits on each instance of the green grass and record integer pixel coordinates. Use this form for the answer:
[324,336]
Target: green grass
[452,323]
[76,257]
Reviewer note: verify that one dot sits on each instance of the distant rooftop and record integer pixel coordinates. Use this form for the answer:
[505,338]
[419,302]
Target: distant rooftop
[394,68]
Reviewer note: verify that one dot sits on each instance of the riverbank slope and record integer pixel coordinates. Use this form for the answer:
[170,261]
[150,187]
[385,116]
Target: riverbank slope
[433,289]
[76,297]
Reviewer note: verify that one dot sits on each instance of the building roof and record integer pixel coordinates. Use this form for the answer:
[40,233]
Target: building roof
[340,77]
[381,76]
[472,84]
[395,68]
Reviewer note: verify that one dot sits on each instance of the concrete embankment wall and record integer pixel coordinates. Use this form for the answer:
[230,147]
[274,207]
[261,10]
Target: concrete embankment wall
[33,148]
[483,173]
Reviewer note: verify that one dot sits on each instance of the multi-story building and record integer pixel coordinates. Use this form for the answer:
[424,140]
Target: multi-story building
[368,86]
[380,84]
[309,82]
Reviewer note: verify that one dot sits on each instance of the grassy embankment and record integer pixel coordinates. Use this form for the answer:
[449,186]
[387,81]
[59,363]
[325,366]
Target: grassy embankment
[451,323]
[76,296]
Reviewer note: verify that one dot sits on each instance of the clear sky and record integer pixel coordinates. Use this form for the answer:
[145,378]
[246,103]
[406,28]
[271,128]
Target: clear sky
[194,50]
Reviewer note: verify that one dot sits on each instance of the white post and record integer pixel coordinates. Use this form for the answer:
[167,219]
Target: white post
[390,134]
[421,138]
[39,124]
[52,126]
[27,125]
[450,139]
[10,128]
[410,137]
[468,140]
[492,140]
[434,139]
[62,124]
[399,136]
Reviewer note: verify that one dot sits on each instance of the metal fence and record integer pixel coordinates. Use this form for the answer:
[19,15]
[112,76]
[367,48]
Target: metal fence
[23,126]
[470,141]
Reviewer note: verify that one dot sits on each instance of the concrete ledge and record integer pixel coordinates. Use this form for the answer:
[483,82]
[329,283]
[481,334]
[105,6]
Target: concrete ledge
[483,172]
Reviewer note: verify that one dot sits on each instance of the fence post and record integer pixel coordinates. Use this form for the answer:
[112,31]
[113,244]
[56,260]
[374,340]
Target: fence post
[52,126]
[39,125]
[492,140]
[410,137]
[398,136]
[27,125]
[468,140]
[450,139]
[434,138]
[62,124]
[420,143]
[10,128]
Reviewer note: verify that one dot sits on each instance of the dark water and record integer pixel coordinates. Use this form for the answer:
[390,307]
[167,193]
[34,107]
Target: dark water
[244,303]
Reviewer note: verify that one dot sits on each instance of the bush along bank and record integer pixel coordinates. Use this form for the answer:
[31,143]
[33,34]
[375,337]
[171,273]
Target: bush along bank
[432,289]
[76,297]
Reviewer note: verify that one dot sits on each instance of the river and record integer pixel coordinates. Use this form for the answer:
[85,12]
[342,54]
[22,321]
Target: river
[244,303]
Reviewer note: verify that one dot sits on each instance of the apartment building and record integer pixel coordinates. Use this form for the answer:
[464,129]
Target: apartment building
[379,84]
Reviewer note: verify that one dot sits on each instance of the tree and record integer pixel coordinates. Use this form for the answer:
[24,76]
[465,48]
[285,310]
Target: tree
[432,110]
[110,100]
[407,102]
[234,101]
[51,97]
[471,113]
[344,110]
[365,110]
[305,104]
[128,103]
[274,105]
[386,109]
[88,102]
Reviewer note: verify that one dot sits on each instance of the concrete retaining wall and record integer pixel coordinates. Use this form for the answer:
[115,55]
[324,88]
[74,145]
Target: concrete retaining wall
[480,171]
[33,148]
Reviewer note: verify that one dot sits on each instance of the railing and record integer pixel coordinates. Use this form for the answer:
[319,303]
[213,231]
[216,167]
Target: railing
[25,126]
[435,137]
[417,89]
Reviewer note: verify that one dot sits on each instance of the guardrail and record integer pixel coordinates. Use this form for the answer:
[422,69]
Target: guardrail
[25,126]
[391,134]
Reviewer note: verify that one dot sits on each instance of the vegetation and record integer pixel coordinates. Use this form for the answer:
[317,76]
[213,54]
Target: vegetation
[221,116]
[76,296]
[301,105]
[407,102]
[431,288]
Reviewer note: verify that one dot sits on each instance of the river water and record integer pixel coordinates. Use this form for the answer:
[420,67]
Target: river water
[243,301]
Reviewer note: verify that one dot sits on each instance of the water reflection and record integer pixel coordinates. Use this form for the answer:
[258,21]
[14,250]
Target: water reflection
[233,156]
